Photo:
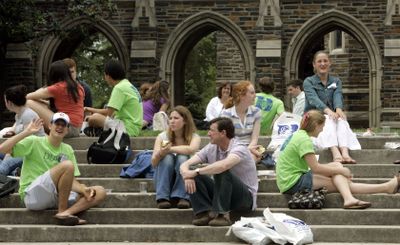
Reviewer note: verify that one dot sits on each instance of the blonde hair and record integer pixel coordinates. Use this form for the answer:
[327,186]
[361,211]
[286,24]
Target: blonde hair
[238,90]
[311,120]
[188,128]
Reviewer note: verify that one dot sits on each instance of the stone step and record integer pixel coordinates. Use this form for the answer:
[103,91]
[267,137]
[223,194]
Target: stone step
[378,170]
[184,243]
[181,233]
[327,216]
[361,156]
[272,200]
[141,143]
[132,185]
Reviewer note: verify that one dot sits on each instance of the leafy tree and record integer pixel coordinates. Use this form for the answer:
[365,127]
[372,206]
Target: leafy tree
[90,57]
[200,75]
[23,21]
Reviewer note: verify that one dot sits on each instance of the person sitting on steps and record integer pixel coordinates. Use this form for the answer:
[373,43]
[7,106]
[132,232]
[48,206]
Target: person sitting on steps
[235,183]
[49,170]
[298,168]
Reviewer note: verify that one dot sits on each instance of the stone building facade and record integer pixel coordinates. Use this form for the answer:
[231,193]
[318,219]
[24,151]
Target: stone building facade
[256,38]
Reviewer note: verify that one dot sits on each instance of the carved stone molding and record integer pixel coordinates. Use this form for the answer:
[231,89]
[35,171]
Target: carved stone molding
[392,8]
[269,8]
[148,6]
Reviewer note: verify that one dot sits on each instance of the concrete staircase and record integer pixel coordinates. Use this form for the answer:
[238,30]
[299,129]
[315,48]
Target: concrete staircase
[130,216]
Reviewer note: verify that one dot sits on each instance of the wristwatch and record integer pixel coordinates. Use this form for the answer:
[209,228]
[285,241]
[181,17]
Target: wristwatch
[197,170]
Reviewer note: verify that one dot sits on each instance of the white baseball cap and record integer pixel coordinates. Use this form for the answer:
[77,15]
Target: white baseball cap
[60,116]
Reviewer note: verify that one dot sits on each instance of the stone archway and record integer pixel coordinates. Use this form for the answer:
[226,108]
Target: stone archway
[51,45]
[326,22]
[187,34]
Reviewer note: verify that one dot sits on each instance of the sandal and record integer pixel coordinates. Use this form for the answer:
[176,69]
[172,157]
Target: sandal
[358,205]
[348,160]
[66,220]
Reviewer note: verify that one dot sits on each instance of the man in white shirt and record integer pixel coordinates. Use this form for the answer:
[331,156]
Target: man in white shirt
[295,90]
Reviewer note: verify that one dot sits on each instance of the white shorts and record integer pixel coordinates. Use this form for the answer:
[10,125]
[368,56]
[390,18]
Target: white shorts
[42,194]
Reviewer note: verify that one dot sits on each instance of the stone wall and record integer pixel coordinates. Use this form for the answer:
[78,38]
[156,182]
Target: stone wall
[268,33]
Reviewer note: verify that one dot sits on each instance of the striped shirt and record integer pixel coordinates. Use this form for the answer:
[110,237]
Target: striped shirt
[243,130]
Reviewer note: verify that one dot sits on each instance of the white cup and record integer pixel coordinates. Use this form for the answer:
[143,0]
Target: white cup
[143,187]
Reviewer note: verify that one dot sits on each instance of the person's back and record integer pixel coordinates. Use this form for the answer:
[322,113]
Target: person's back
[155,100]
[270,105]
[125,98]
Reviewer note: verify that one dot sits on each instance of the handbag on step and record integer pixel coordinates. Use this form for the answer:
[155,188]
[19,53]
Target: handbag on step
[113,145]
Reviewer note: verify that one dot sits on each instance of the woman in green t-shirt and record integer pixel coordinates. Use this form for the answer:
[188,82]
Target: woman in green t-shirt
[298,168]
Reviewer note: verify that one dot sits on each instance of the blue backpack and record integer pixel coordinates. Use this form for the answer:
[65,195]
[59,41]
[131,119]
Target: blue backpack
[140,166]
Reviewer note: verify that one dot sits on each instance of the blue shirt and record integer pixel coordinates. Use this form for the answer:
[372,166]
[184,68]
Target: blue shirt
[320,97]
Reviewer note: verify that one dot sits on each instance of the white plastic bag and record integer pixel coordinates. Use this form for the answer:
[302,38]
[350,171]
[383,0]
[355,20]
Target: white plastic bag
[273,227]
[160,121]
[286,124]
[256,231]
[295,231]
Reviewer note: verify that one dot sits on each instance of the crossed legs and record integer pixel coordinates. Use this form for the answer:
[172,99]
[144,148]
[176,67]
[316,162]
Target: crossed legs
[343,185]
[64,180]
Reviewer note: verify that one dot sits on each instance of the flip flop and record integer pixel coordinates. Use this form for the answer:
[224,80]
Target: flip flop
[67,220]
[358,205]
[396,162]
[349,160]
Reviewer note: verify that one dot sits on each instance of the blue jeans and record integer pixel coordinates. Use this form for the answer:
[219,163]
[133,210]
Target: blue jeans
[8,166]
[168,180]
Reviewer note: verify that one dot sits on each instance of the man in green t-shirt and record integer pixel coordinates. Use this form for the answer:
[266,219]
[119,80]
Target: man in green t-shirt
[49,170]
[270,105]
[125,102]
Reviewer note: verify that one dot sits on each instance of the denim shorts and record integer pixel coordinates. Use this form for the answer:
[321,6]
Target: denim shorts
[305,182]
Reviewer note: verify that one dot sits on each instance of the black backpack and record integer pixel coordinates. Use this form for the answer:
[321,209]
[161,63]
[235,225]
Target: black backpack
[112,147]
[7,185]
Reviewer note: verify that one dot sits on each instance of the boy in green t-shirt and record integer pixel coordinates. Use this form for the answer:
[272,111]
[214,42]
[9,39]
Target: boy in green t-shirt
[125,102]
[49,170]
[270,105]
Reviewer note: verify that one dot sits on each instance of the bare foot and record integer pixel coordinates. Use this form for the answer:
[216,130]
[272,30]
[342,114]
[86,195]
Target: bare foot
[338,159]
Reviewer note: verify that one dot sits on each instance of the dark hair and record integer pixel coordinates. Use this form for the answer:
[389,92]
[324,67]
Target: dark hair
[266,85]
[115,70]
[59,72]
[16,94]
[223,85]
[296,83]
[224,123]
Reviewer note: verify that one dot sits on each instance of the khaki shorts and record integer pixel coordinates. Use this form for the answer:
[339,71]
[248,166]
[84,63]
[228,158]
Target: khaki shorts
[42,194]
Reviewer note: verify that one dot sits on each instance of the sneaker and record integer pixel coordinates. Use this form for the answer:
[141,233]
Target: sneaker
[163,204]
[202,219]
[221,220]
[183,204]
